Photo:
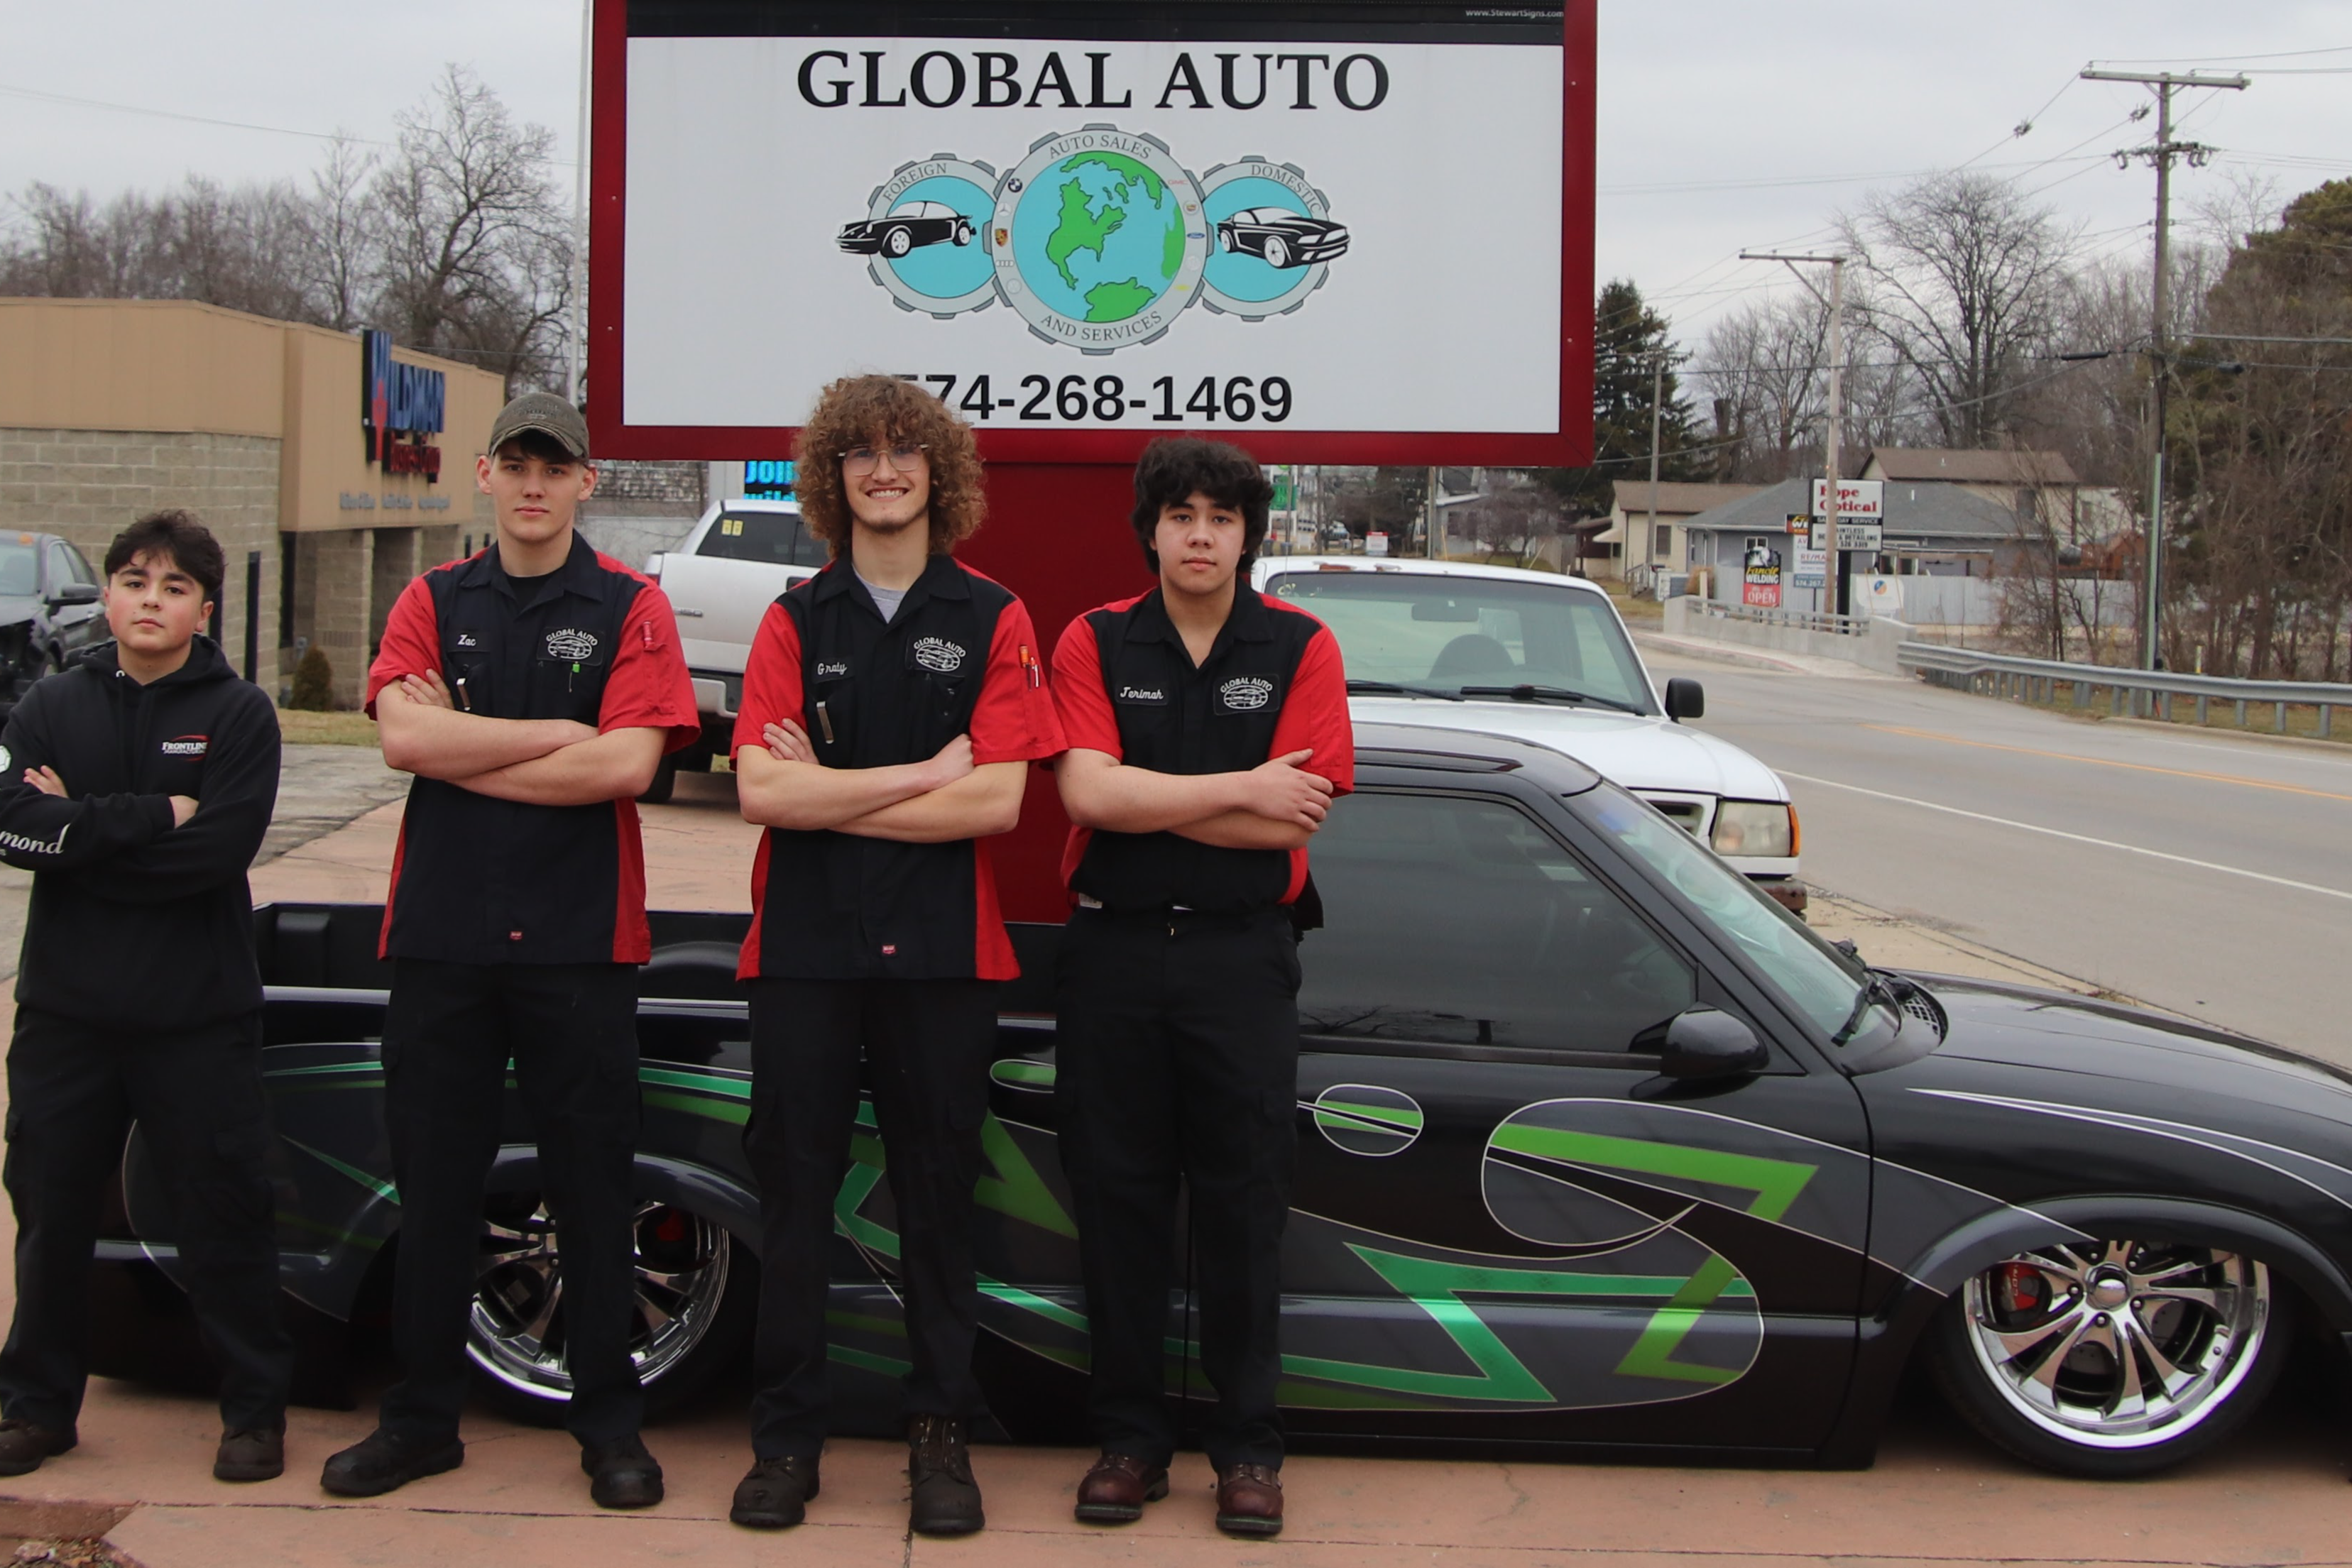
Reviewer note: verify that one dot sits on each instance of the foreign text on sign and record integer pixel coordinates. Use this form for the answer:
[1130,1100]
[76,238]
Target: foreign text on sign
[1860,498]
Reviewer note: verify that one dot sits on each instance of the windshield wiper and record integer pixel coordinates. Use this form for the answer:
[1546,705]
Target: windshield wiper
[1549,694]
[1377,687]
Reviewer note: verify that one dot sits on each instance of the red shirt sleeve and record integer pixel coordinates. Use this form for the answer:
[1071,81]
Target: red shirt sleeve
[1315,714]
[411,641]
[647,686]
[1080,699]
[771,680]
[1015,720]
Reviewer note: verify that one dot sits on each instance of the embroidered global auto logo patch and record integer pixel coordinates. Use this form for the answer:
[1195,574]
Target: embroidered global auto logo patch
[938,655]
[186,746]
[1246,694]
[571,645]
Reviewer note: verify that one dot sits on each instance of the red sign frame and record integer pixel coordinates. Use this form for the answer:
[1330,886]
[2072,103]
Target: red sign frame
[1569,446]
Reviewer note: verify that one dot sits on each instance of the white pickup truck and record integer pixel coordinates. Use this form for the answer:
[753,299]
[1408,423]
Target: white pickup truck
[1543,659]
[720,580]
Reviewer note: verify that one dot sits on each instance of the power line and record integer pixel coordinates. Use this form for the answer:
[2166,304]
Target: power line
[191,119]
[2222,59]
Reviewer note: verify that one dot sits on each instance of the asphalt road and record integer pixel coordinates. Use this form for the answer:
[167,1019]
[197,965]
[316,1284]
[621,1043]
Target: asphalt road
[2207,875]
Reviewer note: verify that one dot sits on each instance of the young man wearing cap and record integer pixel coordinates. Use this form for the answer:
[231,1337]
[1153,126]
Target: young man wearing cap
[891,706]
[138,995]
[1208,732]
[531,690]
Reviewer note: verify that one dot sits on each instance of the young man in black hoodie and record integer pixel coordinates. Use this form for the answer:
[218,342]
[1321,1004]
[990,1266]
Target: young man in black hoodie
[136,787]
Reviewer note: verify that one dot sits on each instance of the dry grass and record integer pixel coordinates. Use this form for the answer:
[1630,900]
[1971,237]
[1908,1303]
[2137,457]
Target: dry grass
[300,728]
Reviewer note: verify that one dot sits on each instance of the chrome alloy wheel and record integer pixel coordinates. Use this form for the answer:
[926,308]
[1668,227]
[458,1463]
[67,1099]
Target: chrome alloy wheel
[2119,1345]
[516,1331]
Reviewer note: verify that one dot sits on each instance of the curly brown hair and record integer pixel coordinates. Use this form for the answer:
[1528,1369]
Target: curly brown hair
[880,410]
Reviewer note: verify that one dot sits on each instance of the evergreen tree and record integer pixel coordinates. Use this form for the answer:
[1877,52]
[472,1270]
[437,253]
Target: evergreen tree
[1627,337]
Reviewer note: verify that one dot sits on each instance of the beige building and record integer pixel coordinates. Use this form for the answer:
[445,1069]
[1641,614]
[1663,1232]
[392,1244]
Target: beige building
[1646,541]
[328,489]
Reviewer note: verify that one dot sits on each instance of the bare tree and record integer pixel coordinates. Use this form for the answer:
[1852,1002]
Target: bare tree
[341,237]
[478,248]
[1967,276]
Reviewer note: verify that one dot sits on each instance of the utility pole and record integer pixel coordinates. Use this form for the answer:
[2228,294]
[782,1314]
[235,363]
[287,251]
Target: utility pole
[1657,410]
[1432,534]
[2159,155]
[1830,455]
[575,346]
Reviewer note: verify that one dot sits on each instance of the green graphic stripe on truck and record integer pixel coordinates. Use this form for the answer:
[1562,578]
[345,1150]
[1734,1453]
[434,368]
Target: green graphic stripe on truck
[1775,1184]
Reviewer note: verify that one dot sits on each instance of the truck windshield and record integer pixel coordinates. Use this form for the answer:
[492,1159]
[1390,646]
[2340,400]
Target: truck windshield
[774,538]
[1824,986]
[1450,633]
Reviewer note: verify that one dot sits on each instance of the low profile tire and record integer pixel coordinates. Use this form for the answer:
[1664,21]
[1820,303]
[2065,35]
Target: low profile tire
[696,1288]
[2113,1358]
[665,783]
[1277,253]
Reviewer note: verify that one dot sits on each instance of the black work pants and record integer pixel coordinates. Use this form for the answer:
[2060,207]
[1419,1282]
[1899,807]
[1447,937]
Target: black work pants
[73,1091]
[1177,1057]
[570,1030]
[926,1045]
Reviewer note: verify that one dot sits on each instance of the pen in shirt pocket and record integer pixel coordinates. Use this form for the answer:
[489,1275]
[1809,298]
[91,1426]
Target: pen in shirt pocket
[824,723]
[1029,666]
[464,701]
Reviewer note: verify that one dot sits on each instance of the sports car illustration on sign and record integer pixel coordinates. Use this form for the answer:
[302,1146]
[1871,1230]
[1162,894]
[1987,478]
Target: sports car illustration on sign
[1283,238]
[1599,1151]
[918,224]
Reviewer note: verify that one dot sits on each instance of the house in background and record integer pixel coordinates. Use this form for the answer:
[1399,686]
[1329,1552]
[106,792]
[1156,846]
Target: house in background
[2039,489]
[1636,543]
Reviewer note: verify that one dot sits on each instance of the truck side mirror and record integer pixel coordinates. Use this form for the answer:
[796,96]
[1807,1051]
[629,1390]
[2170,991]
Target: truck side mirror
[1706,1042]
[73,593]
[1685,698]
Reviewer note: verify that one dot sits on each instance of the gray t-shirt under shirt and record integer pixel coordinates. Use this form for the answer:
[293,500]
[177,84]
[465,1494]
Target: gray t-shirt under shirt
[886,600]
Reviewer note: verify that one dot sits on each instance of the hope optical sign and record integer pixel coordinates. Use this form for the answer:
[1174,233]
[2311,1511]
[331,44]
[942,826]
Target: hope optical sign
[1351,231]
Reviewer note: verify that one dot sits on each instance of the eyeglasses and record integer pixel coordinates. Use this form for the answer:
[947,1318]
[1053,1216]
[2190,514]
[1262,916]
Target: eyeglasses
[859,460]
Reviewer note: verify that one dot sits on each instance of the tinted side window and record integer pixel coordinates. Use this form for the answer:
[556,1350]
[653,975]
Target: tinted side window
[776,538]
[61,569]
[1462,921]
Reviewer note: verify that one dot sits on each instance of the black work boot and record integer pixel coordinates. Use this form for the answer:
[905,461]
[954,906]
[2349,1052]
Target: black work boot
[774,1494]
[946,1500]
[23,1446]
[621,1474]
[250,1454]
[382,1461]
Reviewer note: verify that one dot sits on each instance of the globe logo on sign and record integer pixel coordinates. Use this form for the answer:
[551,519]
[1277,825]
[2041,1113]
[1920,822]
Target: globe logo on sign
[1104,242]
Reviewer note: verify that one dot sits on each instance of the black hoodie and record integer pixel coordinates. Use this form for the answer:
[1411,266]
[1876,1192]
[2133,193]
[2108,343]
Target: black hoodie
[135,923]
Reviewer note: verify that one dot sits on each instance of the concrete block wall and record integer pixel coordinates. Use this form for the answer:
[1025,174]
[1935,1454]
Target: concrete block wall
[88,485]
[333,574]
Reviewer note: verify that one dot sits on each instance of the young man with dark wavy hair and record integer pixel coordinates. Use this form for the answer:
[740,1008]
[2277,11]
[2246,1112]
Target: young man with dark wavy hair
[891,707]
[135,787]
[1208,733]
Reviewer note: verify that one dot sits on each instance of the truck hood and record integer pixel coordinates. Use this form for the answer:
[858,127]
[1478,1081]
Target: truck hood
[1640,751]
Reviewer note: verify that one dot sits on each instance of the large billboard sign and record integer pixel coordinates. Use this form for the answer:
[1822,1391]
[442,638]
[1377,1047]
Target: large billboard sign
[1345,232]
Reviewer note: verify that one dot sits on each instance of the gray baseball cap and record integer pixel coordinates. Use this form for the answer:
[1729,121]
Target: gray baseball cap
[547,414]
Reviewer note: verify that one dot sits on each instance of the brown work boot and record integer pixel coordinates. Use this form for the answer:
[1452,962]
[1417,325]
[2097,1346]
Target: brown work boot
[1249,1500]
[946,1500]
[250,1454]
[1115,1490]
[24,1446]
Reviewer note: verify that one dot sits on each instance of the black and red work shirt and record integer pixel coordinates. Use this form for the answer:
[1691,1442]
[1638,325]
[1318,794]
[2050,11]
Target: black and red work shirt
[483,880]
[1124,685]
[958,658]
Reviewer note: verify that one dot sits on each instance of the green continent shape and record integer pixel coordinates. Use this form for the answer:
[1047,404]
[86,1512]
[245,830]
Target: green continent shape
[1171,247]
[1080,227]
[1118,301]
[1128,171]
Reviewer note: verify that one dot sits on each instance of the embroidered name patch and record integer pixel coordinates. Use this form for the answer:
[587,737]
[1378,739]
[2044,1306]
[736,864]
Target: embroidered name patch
[571,645]
[828,667]
[1142,696]
[1246,694]
[938,655]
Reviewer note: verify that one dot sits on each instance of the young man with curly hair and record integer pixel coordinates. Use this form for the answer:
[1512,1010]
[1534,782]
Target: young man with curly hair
[891,707]
[1208,733]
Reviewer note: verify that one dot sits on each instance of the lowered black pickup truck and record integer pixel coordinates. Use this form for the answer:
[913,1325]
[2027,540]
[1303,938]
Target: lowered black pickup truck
[1599,1151]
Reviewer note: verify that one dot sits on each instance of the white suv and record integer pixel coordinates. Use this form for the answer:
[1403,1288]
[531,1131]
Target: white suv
[1543,659]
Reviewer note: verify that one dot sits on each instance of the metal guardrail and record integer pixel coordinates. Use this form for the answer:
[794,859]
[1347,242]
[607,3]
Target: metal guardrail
[1803,620]
[2005,675]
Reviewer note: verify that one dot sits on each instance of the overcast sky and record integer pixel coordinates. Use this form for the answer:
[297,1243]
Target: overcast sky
[1724,123]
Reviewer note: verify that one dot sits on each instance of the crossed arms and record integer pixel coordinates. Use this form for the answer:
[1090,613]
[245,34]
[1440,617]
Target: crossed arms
[1277,805]
[537,761]
[945,798]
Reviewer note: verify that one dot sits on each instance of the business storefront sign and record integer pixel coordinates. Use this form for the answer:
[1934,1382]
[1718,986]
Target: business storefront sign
[400,408]
[1760,572]
[1298,221]
[1858,500]
[1811,569]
